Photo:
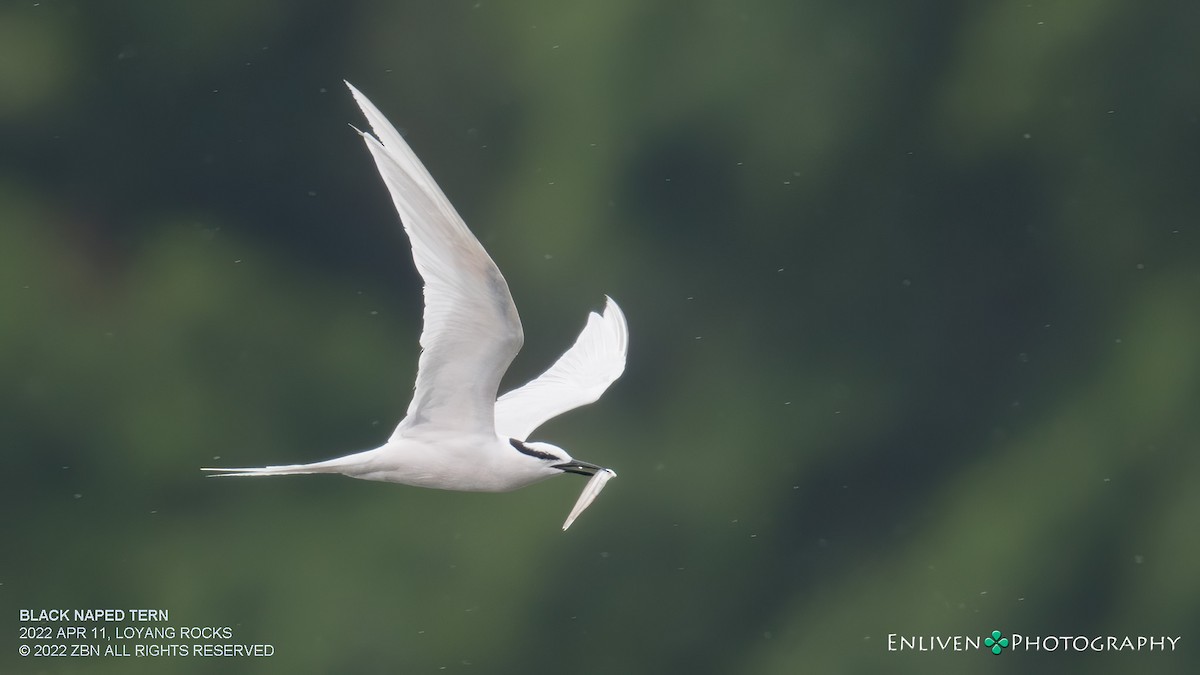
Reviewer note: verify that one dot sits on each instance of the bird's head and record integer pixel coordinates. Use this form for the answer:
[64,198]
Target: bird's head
[552,460]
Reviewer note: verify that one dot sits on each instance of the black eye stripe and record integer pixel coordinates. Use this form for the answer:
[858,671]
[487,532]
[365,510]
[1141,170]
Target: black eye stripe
[525,449]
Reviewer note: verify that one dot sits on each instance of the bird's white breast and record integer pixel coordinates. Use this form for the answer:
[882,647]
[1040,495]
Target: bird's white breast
[452,462]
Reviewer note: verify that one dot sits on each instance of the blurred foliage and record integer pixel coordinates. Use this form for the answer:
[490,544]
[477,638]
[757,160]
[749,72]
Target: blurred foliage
[913,291]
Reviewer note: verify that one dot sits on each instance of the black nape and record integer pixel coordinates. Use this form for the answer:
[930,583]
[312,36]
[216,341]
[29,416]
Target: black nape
[525,449]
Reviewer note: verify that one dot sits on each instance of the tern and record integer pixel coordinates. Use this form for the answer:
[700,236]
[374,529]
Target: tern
[456,435]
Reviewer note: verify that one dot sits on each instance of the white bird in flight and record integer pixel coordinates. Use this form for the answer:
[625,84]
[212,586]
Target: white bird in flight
[456,434]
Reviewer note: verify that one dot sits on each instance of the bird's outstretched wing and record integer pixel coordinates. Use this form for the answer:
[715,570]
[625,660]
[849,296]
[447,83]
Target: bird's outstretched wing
[579,376]
[472,330]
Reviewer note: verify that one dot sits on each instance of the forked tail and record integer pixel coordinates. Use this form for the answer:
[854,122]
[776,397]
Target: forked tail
[329,466]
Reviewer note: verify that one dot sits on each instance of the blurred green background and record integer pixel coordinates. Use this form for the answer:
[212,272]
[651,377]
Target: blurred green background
[914,294]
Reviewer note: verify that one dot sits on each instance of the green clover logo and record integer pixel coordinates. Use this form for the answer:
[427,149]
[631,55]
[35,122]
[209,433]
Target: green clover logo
[996,642]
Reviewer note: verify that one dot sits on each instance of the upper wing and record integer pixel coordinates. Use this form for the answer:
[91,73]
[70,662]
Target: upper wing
[472,331]
[579,376]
